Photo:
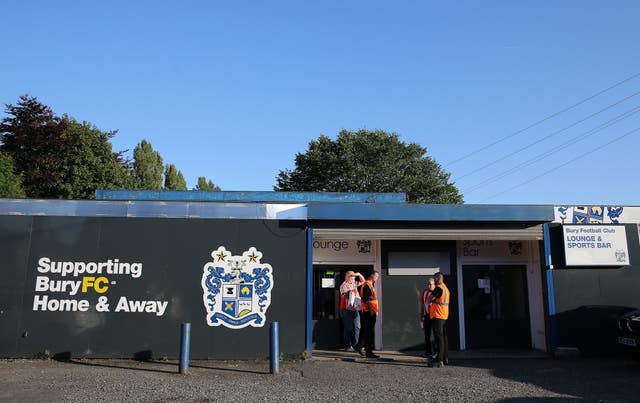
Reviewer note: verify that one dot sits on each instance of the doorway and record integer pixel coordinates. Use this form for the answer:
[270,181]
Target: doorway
[327,325]
[496,306]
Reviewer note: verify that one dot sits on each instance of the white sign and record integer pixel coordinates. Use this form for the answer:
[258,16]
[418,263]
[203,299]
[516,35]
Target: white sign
[595,245]
[485,284]
[419,263]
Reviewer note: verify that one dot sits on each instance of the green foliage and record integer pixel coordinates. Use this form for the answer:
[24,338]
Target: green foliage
[10,182]
[173,179]
[90,164]
[59,157]
[33,136]
[203,184]
[147,167]
[369,161]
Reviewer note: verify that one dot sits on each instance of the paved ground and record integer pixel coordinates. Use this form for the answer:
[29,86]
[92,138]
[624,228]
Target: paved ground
[342,377]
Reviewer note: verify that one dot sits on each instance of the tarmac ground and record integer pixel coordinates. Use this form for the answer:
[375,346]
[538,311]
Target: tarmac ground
[328,376]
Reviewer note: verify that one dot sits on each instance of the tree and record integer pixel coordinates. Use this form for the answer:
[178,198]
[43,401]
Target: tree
[59,157]
[10,182]
[90,164]
[203,184]
[173,179]
[369,161]
[32,135]
[147,166]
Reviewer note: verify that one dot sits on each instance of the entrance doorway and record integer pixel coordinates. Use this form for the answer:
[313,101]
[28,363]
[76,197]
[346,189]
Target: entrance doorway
[327,325]
[496,306]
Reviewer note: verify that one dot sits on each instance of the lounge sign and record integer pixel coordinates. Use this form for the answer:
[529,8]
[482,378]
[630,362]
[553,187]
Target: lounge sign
[595,245]
[344,250]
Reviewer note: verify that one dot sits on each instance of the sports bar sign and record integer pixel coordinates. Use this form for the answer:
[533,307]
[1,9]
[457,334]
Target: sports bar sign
[595,245]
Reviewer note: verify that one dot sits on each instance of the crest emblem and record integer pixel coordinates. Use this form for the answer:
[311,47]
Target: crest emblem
[236,289]
[364,246]
[621,256]
[515,248]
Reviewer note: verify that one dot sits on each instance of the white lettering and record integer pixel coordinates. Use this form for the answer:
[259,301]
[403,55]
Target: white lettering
[74,269]
[43,303]
[43,264]
[43,283]
[157,307]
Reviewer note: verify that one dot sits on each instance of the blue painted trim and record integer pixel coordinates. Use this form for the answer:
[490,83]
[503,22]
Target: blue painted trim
[309,314]
[428,212]
[553,325]
[250,197]
[547,245]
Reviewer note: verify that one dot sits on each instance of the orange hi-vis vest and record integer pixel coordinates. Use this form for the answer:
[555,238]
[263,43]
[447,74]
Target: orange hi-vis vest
[372,300]
[439,308]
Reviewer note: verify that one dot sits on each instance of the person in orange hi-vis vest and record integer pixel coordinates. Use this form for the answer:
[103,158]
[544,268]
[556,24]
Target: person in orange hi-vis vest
[369,314]
[439,313]
[425,319]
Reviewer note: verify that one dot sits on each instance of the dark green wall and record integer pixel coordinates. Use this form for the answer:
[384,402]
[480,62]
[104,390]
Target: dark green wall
[173,253]
[589,300]
[401,298]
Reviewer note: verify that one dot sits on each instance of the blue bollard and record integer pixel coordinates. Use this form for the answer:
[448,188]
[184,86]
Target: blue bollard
[274,350]
[185,341]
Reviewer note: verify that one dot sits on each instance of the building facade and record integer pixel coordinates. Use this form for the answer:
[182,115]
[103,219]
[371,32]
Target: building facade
[116,277]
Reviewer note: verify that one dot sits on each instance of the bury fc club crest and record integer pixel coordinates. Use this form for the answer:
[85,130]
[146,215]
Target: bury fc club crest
[237,289]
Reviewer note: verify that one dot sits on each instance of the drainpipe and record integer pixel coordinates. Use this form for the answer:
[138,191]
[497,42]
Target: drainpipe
[553,334]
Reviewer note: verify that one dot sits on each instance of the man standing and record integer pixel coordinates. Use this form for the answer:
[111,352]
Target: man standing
[369,314]
[439,313]
[349,311]
[425,319]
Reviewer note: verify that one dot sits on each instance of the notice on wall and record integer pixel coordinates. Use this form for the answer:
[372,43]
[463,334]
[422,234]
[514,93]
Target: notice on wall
[595,245]
[71,286]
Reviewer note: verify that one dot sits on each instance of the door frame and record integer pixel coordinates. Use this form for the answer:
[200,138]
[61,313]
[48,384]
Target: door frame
[522,268]
[336,260]
[531,261]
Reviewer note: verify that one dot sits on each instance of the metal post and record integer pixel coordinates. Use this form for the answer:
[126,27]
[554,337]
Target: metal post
[185,341]
[274,350]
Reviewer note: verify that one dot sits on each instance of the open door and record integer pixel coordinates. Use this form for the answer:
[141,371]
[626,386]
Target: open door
[327,325]
[496,306]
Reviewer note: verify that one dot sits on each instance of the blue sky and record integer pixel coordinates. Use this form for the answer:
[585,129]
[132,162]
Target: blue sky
[233,90]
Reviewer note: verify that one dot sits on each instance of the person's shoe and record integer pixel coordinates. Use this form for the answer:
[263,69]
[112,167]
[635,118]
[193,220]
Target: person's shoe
[436,364]
[426,354]
[371,355]
[446,361]
[348,349]
[360,351]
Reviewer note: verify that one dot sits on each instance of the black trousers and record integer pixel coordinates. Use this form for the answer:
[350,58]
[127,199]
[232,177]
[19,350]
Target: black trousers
[367,329]
[440,335]
[428,344]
